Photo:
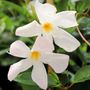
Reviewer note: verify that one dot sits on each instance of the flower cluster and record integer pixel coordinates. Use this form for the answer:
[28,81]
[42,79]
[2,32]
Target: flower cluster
[48,29]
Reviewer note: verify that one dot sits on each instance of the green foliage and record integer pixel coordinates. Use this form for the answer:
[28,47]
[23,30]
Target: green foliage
[82,5]
[28,87]
[25,78]
[11,16]
[15,13]
[82,74]
[61,5]
[84,24]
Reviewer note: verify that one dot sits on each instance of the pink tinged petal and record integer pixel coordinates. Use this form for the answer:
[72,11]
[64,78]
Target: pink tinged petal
[18,67]
[45,12]
[44,44]
[66,19]
[66,41]
[58,62]
[19,49]
[29,30]
[39,75]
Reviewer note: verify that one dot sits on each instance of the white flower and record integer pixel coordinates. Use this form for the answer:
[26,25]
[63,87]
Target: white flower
[50,25]
[40,53]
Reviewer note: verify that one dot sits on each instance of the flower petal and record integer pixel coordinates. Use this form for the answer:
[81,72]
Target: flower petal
[29,30]
[58,62]
[66,19]
[19,49]
[45,12]
[39,75]
[44,44]
[18,67]
[64,40]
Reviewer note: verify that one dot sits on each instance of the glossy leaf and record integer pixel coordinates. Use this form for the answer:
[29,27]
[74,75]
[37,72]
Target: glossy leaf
[25,78]
[82,74]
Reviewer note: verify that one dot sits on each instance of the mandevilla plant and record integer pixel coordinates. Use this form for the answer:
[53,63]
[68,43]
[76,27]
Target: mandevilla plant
[36,57]
[51,24]
[42,50]
[47,36]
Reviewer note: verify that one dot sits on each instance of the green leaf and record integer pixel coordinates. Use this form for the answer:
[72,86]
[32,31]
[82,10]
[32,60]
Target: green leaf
[53,80]
[9,5]
[84,23]
[61,5]
[82,74]
[25,78]
[82,5]
[3,51]
[84,47]
[28,87]
[2,27]
[71,5]
[9,23]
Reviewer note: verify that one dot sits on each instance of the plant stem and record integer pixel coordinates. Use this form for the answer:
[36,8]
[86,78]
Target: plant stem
[49,69]
[50,1]
[84,39]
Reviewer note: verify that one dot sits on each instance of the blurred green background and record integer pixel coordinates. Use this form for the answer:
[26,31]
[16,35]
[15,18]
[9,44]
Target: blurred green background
[15,13]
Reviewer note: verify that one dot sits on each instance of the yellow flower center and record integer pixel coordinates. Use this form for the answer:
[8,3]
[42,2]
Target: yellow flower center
[35,55]
[48,27]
